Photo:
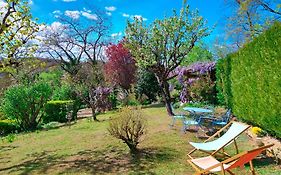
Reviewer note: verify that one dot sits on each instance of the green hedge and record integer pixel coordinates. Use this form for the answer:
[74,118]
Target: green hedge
[8,126]
[223,82]
[56,111]
[254,80]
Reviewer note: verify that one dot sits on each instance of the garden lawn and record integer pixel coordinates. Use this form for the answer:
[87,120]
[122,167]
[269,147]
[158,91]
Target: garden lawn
[87,148]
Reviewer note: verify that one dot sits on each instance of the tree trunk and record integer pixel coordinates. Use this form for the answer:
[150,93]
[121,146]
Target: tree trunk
[132,147]
[164,87]
[94,115]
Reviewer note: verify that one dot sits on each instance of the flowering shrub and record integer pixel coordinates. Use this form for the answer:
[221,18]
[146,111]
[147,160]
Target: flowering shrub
[257,131]
[102,98]
[197,81]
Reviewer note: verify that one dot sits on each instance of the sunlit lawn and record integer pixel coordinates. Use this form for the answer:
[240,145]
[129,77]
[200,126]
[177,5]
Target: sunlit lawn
[87,148]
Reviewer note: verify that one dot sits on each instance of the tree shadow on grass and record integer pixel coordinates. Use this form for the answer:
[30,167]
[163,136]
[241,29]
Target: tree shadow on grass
[264,161]
[7,148]
[112,160]
[4,158]
[33,162]
[157,105]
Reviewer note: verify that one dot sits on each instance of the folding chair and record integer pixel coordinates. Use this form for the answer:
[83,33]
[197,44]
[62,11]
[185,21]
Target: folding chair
[213,147]
[176,117]
[209,164]
[223,120]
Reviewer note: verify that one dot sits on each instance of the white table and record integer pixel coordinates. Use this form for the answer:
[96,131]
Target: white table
[198,114]
[197,110]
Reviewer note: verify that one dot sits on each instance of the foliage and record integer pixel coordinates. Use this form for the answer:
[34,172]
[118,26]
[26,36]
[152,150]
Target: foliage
[8,126]
[17,29]
[223,81]
[113,98]
[76,41]
[129,126]
[162,46]
[197,54]
[10,138]
[257,131]
[102,100]
[57,111]
[90,87]
[255,81]
[120,68]
[63,92]
[147,85]
[51,125]
[25,104]
[249,18]
[197,82]
[52,76]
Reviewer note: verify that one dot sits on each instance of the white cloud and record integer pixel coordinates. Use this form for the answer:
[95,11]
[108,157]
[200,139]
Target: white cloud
[90,16]
[125,15]
[109,13]
[116,34]
[86,10]
[72,14]
[57,12]
[57,26]
[68,0]
[111,8]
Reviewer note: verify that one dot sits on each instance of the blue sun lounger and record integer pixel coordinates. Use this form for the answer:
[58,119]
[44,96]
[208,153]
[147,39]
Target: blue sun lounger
[212,147]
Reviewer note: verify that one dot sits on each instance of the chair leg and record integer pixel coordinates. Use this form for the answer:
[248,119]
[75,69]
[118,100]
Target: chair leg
[222,170]
[230,172]
[173,122]
[252,168]
[236,147]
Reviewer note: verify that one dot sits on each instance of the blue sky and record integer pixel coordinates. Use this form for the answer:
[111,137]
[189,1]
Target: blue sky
[120,10]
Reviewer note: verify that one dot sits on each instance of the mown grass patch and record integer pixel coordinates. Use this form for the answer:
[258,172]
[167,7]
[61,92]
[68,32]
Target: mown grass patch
[87,148]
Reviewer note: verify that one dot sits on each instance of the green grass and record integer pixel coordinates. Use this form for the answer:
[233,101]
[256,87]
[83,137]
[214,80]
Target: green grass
[87,148]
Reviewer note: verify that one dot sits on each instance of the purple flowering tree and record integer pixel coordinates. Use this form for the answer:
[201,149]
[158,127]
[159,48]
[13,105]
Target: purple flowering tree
[187,76]
[90,87]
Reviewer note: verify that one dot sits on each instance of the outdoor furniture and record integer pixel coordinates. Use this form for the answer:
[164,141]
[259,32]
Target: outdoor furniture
[197,110]
[213,147]
[197,115]
[210,164]
[176,117]
[193,120]
[223,120]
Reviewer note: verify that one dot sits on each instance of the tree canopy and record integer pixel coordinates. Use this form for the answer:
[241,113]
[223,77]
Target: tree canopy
[162,46]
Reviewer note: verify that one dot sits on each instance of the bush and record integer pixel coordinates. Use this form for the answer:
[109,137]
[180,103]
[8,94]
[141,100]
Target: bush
[8,126]
[129,126]
[51,125]
[63,92]
[203,90]
[147,85]
[56,111]
[255,76]
[25,104]
[223,81]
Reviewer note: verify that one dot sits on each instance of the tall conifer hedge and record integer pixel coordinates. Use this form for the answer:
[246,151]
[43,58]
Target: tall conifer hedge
[249,81]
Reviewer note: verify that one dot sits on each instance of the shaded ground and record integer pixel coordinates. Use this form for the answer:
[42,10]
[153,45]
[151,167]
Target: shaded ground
[87,148]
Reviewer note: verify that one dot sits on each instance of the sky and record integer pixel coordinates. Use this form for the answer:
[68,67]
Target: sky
[119,11]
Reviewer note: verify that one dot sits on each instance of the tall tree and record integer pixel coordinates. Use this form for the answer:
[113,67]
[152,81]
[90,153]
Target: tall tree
[120,68]
[249,18]
[77,40]
[17,31]
[162,46]
[73,39]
